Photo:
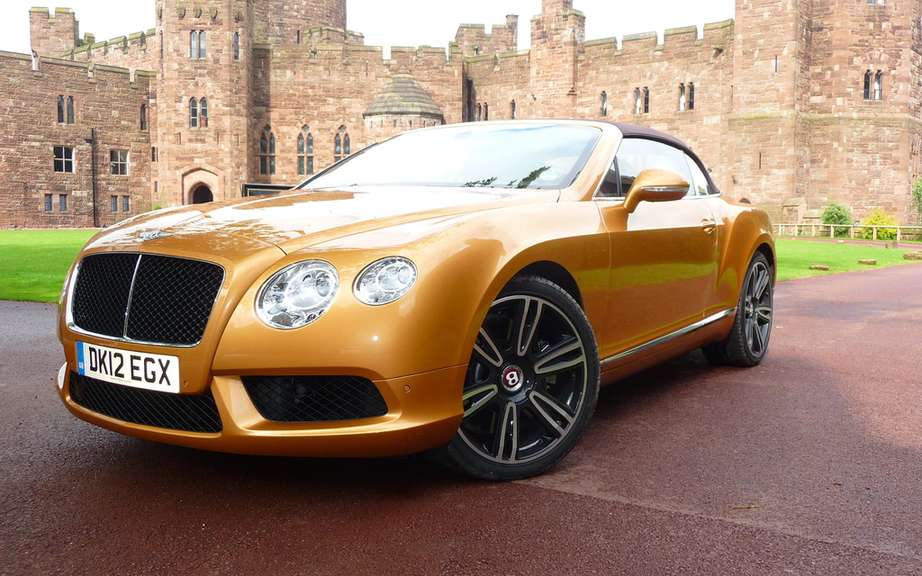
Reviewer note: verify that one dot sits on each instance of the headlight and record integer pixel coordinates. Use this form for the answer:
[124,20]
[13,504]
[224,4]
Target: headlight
[385,281]
[297,295]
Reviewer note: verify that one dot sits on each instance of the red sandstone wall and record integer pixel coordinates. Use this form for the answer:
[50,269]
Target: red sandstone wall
[106,99]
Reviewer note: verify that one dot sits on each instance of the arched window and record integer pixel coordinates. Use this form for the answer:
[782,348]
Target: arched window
[201,45]
[867,85]
[512,110]
[479,112]
[683,102]
[486,112]
[193,113]
[236,46]
[646,100]
[143,117]
[342,145]
[61,117]
[603,106]
[71,113]
[879,85]
[638,102]
[691,95]
[267,152]
[305,152]
[203,112]
[193,44]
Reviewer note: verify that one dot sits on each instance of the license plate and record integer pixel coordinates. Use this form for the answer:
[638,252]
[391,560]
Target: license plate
[136,369]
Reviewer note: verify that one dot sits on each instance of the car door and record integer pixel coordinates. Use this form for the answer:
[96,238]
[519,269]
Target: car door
[663,268]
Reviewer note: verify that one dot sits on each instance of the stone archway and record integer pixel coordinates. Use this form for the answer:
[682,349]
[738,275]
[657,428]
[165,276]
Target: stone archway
[201,194]
[202,184]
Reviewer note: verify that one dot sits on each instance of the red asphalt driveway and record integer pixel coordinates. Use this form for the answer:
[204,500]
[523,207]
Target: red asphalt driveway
[810,464]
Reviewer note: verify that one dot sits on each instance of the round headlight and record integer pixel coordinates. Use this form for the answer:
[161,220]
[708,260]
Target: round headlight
[297,295]
[385,281]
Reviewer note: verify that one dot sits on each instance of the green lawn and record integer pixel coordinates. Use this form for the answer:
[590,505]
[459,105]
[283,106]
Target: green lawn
[796,256]
[33,262]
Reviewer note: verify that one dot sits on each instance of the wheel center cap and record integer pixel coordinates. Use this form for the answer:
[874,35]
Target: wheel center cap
[513,378]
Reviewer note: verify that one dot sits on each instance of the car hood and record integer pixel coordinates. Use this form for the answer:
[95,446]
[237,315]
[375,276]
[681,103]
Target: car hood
[298,220]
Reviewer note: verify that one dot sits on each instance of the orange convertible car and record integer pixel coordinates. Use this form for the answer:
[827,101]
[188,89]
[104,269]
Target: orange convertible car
[463,290]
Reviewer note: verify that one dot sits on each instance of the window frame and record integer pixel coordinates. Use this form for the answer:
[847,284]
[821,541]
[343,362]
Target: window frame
[48,204]
[64,160]
[126,204]
[119,166]
[113,203]
[193,113]
[62,203]
[714,191]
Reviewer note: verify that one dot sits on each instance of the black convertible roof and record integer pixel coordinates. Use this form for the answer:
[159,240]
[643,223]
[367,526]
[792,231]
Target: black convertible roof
[635,131]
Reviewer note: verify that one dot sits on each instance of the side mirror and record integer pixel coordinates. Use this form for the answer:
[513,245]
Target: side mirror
[656,186]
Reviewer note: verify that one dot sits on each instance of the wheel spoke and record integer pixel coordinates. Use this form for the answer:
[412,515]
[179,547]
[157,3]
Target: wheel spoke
[759,338]
[479,397]
[544,366]
[525,337]
[509,426]
[764,313]
[492,353]
[555,406]
[761,284]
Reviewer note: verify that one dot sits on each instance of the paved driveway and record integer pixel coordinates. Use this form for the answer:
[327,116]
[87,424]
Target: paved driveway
[810,464]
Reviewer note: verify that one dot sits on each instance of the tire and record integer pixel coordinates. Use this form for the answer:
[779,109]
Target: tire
[747,344]
[531,386]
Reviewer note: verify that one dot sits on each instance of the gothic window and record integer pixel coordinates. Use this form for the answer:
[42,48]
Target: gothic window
[154,155]
[267,152]
[143,118]
[479,112]
[646,100]
[236,46]
[61,117]
[638,102]
[71,113]
[603,110]
[118,161]
[197,45]
[879,85]
[776,65]
[342,145]
[873,85]
[683,99]
[64,159]
[486,112]
[203,112]
[305,152]
[691,95]
[193,113]
[512,110]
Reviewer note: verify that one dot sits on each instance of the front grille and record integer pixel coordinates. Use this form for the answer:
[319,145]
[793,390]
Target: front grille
[155,299]
[159,409]
[314,398]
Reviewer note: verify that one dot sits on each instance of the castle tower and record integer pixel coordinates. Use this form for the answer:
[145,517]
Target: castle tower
[282,20]
[557,36]
[203,99]
[55,33]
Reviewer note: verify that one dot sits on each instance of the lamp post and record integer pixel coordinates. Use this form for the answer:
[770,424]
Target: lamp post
[92,142]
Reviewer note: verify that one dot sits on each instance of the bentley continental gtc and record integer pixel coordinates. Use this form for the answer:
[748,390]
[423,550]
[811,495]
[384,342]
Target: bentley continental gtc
[461,291]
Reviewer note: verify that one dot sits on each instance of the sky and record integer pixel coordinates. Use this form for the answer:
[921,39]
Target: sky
[396,22]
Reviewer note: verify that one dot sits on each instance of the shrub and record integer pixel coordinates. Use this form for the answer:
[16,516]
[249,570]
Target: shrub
[917,196]
[838,214]
[879,218]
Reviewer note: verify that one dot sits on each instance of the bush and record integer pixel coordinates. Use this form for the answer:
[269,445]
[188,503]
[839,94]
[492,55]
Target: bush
[917,196]
[879,218]
[838,214]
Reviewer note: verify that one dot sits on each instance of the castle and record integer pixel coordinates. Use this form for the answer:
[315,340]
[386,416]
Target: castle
[794,104]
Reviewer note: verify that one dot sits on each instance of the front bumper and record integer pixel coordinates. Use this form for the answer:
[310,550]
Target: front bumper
[424,412]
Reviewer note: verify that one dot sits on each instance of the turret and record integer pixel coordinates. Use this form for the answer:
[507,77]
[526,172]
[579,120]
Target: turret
[55,33]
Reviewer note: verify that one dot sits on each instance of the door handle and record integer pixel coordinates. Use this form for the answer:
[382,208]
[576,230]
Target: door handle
[709,225]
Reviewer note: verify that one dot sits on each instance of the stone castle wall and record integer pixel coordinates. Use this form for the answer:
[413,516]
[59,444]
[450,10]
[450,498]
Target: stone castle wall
[107,100]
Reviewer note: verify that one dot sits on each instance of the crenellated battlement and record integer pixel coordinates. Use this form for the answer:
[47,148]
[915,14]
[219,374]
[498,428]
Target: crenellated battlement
[717,35]
[53,33]
[473,39]
[132,51]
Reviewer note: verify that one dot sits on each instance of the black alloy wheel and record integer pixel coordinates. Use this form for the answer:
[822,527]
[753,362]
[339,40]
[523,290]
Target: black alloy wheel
[531,385]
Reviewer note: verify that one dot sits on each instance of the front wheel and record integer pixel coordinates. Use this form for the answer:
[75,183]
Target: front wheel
[531,385]
[747,344]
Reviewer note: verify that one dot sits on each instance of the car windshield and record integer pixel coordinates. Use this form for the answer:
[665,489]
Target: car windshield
[530,156]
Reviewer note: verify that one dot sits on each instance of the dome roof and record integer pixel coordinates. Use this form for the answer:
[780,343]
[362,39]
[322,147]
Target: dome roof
[404,96]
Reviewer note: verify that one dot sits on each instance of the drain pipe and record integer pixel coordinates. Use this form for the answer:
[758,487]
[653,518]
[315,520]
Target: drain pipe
[92,142]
